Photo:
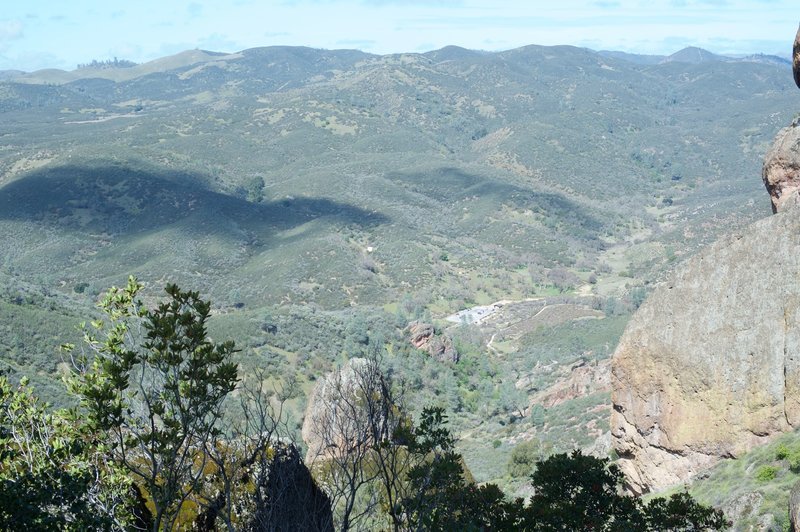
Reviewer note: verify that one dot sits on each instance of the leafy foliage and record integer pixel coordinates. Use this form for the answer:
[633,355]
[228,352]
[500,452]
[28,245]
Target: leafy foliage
[766,473]
[53,475]
[152,398]
[523,458]
[158,398]
[580,492]
[439,496]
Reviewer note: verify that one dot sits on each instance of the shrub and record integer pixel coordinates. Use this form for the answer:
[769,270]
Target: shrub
[782,452]
[794,462]
[523,459]
[767,473]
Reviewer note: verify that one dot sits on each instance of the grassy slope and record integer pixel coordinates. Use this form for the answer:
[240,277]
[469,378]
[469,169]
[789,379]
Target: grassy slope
[755,486]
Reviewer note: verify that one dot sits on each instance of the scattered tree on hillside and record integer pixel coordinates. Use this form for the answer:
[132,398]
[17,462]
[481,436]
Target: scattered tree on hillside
[523,458]
[155,387]
[108,63]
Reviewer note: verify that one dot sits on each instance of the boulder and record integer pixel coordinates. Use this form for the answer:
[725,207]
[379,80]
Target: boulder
[423,336]
[781,171]
[743,506]
[346,410]
[709,366]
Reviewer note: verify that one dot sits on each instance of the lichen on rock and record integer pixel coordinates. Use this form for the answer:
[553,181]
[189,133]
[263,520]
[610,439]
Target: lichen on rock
[709,366]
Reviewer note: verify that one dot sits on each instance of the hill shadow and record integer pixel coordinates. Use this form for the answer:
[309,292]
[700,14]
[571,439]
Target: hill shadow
[133,197]
[447,184]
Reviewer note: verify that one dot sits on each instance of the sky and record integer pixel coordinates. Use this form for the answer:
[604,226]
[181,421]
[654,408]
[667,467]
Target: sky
[38,34]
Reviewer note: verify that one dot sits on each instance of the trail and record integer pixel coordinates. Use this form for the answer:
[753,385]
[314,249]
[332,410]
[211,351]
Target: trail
[492,349]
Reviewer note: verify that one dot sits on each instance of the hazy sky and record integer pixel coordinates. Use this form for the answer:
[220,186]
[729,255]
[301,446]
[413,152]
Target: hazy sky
[54,33]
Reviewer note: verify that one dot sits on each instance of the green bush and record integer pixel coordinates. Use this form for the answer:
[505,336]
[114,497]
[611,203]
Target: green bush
[523,459]
[767,473]
[782,452]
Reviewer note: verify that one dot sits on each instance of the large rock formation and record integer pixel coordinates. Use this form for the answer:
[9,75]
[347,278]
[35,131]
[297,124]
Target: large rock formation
[347,411]
[423,336]
[290,499]
[710,364]
[781,172]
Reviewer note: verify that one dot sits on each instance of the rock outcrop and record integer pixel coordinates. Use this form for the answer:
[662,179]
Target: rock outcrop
[423,336]
[346,410]
[781,173]
[794,508]
[291,499]
[583,378]
[709,366]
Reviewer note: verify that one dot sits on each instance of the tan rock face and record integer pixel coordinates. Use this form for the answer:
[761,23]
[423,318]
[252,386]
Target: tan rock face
[583,379]
[329,406]
[710,364]
[781,172]
[794,508]
[423,336]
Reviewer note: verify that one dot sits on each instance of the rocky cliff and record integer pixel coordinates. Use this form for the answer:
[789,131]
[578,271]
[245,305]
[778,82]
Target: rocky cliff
[423,336]
[346,412]
[781,172]
[710,364]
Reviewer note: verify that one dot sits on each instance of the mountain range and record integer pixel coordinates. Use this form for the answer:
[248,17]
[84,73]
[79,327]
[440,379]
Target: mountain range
[322,199]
